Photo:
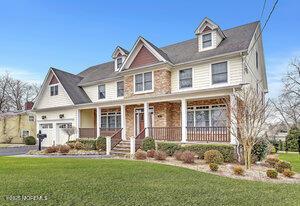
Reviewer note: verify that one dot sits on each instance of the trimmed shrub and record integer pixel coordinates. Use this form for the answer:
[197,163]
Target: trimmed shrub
[188,157]
[160,155]
[213,167]
[140,155]
[168,148]
[30,140]
[151,153]
[238,170]
[213,156]
[100,143]
[78,145]
[272,161]
[226,150]
[288,173]
[148,144]
[280,166]
[52,149]
[88,144]
[272,173]
[292,140]
[260,149]
[178,155]
[64,149]
[71,144]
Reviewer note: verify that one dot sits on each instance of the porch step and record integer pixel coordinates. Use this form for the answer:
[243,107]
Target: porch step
[123,148]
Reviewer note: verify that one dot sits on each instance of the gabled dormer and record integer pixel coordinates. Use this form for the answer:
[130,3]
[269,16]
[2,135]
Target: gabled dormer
[209,35]
[119,57]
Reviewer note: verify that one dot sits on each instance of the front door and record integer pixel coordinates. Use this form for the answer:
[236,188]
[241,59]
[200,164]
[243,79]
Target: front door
[139,120]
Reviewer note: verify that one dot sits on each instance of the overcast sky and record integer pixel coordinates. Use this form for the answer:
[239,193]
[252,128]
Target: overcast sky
[72,35]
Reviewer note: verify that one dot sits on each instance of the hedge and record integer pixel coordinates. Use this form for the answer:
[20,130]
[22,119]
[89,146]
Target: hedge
[169,148]
[148,144]
[92,144]
[226,150]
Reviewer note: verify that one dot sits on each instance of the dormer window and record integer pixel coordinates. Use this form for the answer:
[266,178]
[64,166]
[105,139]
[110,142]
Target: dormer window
[206,40]
[119,62]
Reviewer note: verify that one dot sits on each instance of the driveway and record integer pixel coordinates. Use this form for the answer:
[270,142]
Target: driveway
[16,150]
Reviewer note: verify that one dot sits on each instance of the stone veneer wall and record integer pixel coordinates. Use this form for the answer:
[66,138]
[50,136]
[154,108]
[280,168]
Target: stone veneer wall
[162,84]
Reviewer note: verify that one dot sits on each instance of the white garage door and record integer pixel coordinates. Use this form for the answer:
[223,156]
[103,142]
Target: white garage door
[62,136]
[49,131]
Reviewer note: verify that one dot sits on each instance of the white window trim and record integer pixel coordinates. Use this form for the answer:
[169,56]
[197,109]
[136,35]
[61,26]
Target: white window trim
[187,88]
[99,92]
[134,122]
[144,91]
[212,44]
[107,114]
[120,97]
[228,75]
[53,85]
[210,108]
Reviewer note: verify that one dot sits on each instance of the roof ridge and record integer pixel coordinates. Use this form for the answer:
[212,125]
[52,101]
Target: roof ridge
[65,72]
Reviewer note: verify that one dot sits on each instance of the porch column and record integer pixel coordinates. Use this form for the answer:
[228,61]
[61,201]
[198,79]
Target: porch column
[183,120]
[123,122]
[78,122]
[98,119]
[233,120]
[146,118]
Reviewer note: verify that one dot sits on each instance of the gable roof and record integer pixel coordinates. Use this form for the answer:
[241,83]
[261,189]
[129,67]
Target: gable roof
[122,50]
[237,39]
[70,83]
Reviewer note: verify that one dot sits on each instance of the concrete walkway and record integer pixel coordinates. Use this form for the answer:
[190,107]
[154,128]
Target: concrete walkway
[17,150]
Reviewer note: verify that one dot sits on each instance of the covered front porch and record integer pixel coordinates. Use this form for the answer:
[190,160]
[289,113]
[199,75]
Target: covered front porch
[187,120]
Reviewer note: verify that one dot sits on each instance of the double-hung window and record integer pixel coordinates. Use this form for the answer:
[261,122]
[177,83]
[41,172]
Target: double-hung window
[185,78]
[143,82]
[120,89]
[111,120]
[54,90]
[101,91]
[206,40]
[219,73]
[206,116]
[119,62]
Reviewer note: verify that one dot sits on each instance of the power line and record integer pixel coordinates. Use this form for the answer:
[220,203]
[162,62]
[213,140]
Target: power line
[265,24]
[263,9]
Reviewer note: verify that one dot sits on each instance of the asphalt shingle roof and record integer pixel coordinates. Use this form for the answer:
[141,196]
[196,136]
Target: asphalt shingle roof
[69,82]
[237,39]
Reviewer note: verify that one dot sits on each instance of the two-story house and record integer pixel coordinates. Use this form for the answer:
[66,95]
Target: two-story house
[172,93]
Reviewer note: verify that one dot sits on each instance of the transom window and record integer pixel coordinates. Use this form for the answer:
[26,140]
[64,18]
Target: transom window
[206,116]
[119,62]
[219,73]
[46,126]
[143,82]
[206,40]
[54,90]
[101,91]
[65,125]
[120,89]
[185,78]
[111,120]
[31,118]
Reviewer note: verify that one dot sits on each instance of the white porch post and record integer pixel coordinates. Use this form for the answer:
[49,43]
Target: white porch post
[233,121]
[108,145]
[132,146]
[184,120]
[123,121]
[146,118]
[98,118]
[78,122]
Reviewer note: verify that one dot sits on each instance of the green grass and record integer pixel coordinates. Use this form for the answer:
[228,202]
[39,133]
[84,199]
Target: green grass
[121,182]
[293,158]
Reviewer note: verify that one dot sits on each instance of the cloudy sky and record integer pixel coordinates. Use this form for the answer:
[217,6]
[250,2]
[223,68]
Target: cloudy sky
[72,35]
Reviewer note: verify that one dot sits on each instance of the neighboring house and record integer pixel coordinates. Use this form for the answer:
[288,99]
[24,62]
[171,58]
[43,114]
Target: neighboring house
[170,93]
[14,126]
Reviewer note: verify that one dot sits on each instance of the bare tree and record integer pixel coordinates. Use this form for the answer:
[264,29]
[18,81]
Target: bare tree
[288,102]
[4,83]
[70,131]
[248,114]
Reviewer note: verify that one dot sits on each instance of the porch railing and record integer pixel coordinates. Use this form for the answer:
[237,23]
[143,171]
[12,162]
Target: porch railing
[116,138]
[104,132]
[165,133]
[139,138]
[208,134]
[87,132]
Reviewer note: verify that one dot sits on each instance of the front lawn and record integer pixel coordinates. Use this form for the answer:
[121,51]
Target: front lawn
[293,158]
[122,182]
